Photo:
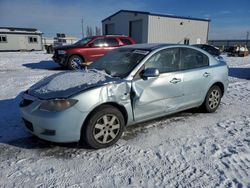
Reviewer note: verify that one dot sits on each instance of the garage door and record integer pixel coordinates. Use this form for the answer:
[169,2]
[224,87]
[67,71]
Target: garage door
[110,29]
[135,30]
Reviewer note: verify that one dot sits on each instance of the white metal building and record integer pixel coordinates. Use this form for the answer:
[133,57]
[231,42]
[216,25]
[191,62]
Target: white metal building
[146,27]
[18,39]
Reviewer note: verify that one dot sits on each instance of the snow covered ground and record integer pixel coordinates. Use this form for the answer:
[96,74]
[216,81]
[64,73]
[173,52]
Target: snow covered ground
[189,149]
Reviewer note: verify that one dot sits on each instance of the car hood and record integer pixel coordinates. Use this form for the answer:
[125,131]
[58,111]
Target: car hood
[66,84]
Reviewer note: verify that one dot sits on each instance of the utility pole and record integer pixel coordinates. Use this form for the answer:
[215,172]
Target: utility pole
[82,28]
[247,38]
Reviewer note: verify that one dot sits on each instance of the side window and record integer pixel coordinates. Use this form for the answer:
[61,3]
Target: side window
[165,61]
[125,41]
[191,59]
[99,43]
[111,42]
[3,39]
[32,39]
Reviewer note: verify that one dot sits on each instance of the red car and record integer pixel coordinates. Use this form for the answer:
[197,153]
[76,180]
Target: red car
[88,49]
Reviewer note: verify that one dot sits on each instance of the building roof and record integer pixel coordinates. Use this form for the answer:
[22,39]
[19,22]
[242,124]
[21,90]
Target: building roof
[156,14]
[18,30]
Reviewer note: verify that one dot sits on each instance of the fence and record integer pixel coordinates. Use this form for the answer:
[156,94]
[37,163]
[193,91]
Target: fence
[222,44]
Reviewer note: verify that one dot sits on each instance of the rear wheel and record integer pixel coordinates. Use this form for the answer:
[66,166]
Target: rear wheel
[104,127]
[213,99]
[75,62]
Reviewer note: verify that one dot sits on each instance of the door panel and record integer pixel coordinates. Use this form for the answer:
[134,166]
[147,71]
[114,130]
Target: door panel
[109,29]
[98,49]
[135,30]
[23,43]
[195,86]
[156,96]
[96,52]
[197,75]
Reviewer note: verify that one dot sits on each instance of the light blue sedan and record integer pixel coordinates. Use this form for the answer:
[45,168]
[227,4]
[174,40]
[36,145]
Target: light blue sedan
[128,85]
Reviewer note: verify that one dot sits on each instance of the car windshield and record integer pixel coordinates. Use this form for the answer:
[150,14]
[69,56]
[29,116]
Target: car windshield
[84,41]
[119,62]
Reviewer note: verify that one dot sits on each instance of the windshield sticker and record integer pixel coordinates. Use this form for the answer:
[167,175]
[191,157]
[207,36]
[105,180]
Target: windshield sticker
[143,52]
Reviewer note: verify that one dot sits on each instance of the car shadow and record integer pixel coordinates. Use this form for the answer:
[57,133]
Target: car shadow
[45,65]
[133,131]
[242,73]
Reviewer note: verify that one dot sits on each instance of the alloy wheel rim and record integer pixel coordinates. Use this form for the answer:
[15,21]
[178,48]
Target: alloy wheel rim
[106,129]
[214,99]
[75,63]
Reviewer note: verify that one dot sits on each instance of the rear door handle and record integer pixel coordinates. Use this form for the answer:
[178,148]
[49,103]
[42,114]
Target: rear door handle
[206,74]
[175,80]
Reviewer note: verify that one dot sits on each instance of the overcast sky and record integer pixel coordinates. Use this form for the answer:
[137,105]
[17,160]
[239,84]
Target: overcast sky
[230,18]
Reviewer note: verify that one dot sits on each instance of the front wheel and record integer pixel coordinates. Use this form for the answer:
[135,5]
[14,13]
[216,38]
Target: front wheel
[212,100]
[75,62]
[104,127]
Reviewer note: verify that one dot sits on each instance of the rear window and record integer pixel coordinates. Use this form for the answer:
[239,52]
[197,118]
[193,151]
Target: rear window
[111,42]
[125,41]
[104,42]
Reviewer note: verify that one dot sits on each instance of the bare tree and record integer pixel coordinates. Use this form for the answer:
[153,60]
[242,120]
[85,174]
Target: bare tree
[89,31]
[97,31]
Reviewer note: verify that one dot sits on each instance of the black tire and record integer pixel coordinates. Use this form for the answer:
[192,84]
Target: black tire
[212,100]
[75,62]
[100,134]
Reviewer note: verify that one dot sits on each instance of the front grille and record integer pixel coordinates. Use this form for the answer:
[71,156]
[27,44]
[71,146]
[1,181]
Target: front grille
[49,132]
[28,125]
[25,102]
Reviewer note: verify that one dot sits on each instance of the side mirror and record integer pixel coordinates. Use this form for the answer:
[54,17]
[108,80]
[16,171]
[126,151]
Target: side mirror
[151,72]
[220,58]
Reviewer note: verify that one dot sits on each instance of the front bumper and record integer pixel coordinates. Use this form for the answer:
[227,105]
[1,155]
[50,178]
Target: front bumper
[60,59]
[58,127]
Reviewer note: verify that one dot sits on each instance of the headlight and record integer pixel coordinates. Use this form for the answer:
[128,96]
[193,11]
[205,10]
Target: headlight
[57,105]
[61,52]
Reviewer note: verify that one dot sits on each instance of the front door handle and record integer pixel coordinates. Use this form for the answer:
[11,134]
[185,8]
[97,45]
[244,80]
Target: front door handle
[206,74]
[175,80]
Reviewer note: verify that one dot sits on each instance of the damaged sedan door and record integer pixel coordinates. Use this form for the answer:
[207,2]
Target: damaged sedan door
[155,94]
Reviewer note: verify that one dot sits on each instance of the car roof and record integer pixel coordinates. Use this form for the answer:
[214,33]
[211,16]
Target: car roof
[119,36]
[150,46]
[153,46]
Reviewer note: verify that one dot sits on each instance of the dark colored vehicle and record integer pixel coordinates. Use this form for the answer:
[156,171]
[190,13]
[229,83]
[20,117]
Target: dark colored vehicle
[88,49]
[214,51]
[237,51]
